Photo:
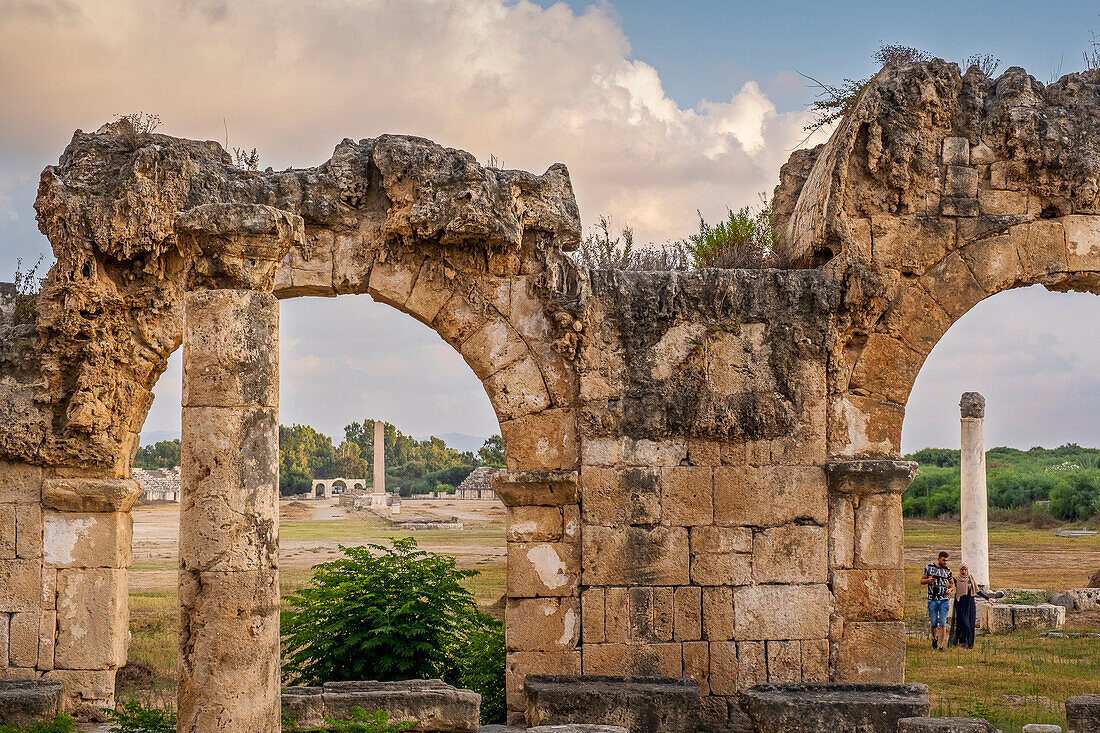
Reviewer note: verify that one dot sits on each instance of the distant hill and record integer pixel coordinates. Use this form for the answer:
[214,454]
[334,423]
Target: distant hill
[460,441]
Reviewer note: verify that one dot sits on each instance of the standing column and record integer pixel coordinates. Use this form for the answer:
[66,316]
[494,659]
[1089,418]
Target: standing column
[975,528]
[229,670]
[379,489]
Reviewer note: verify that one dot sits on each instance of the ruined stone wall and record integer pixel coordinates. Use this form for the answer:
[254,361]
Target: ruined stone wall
[702,467]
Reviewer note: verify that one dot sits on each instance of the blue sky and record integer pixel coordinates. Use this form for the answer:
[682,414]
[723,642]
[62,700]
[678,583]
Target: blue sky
[659,109]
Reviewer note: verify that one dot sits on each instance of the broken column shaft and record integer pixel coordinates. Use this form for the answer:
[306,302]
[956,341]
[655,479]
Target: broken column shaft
[229,513]
[379,457]
[975,527]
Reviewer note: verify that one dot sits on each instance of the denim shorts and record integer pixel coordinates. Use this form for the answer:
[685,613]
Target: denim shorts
[937,611]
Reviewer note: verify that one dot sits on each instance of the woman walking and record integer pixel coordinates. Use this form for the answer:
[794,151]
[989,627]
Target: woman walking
[962,629]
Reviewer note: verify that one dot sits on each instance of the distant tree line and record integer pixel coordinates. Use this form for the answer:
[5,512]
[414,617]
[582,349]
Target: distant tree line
[1068,477]
[305,454]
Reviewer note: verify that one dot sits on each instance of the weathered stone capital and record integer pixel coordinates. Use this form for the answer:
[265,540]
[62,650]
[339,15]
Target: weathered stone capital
[536,488]
[870,477]
[972,404]
[237,246]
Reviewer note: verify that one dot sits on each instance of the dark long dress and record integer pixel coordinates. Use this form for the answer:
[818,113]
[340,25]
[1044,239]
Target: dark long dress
[962,626]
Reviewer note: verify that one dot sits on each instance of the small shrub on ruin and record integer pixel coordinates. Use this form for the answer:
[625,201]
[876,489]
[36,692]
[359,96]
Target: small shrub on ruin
[360,722]
[246,160]
[27,285]
[387,613]
[746,239]
[63,723]
[1092,55]
[985,62]
[134,716]
[136,128]
[600,250]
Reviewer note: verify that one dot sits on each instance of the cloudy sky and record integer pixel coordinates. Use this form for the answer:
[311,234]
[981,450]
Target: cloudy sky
[658,109]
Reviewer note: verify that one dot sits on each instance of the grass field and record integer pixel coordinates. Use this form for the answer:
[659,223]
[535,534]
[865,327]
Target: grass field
[1009,679]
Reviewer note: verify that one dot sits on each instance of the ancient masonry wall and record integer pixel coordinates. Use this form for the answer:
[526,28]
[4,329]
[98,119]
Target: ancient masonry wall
[702,468]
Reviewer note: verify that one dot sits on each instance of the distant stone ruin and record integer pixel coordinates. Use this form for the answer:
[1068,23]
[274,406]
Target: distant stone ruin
[158,484]
[476,485]
[703,474]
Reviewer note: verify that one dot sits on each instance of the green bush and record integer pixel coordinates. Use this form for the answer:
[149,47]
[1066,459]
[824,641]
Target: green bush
[294,481]
[453,475]
[131,716]
[393,613]
[1077,497]
[61,724]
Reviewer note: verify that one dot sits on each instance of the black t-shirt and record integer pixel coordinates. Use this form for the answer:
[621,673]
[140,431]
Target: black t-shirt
[937,588]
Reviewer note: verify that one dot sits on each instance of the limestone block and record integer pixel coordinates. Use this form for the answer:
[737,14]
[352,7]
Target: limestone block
[1082,713]
[864,427]
[92,618]
[769,495]
[493,347]
[90,495]
[947,725]
[18,673]
[637,660]
[896,237]
[592,615]
[697,663]
[781,612]
[981,154]
[784,661]
[85,692]
[791,553]
[714,713]
[571,522]
[842,532]
[635,555]
[640,614]
[815,660]
[543,568]
[994,261]
[521,664]
[87,539]
[431,292]
[307,267]
[29,704]
[351,262]
[655,452]
[961,182]
[5,623]
[959,206]
[952,285]
[1085,598]
[304,706]
[1044,247]
[542,624]
[811,707]
[577,728]
[545,441]
[28,520]
[229,650]
[662,613]
[872,652]
[886,366]
[534,523]
[392,280]
[723,670]
[878,531]
[1013,203]
[611,496]
[752,664]
[687,495]
[430,705]
[956,151]
[7,531]
[229,509]
[1082,243]
[49,588]
[20,483]
[916,317]
[718,616]
[995,619]
[602,451]
[517,390]
[23,639]
[687,622]
[869,595]
[536,488]
[20,585]
[47,636]
[616,615]
[721,569]
[1041,616]
[231,349]
[459,317]
[720,539]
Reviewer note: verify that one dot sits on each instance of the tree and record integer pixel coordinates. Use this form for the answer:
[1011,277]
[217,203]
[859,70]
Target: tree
[491,452]
[163,454]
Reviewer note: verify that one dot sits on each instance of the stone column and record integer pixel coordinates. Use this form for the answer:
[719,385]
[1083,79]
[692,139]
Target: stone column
[379,488]
[975,528]
[229,670]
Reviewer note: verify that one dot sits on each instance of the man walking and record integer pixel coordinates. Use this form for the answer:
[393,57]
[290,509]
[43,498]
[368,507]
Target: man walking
[937,576]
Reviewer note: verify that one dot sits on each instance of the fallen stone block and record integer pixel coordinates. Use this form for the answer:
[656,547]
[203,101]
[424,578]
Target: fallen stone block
[1042,616]
[432,704]
[805,707]
[945,725]
[1065,600]
[1083,714]
[1042,728]
[1085,599]
[577,728]
[24,702]
[639,704]
[304,705]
